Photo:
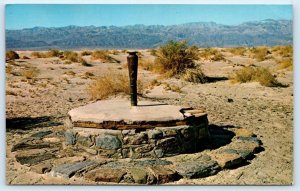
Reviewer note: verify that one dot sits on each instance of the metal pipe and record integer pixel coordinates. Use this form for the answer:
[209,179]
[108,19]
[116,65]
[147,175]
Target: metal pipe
[132,61]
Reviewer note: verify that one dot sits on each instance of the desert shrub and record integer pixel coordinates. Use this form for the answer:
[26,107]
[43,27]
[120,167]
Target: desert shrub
[194,75]
[30,73]
[146,65]
[85,63]
[112,83]
[53,53]
[115,52]
[153,52]
[260,53]
[11,55]
[86,53]
[286,63]
[239,51]
[254,74]
[173,58]
[38,54]
[25,57]
[72,56]
[67,62]
[284,51]
[103,55]
[212,54]
[124,51]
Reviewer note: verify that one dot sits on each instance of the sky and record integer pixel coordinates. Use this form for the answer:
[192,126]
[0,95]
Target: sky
[20,16]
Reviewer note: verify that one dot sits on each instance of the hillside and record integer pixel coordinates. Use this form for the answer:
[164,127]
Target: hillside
[205,34]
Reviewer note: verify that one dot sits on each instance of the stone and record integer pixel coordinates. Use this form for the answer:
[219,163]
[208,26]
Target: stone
[169,145]
[198,168]
[227,159]
[85,141]
[27,145]
[139,175]
[91,151]
[250,139]
[41,134]
[137,139]
[52,139]
[42,168]
[69,170]
[155,134]
[163,174]
[105,175]
[242,132]
[70,138]
[159,153]
[150,162]
[128,132]
[33,159]
[108,142]
[144,148]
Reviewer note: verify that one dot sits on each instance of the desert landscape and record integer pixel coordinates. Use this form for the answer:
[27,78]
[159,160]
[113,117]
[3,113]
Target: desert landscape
[241,87]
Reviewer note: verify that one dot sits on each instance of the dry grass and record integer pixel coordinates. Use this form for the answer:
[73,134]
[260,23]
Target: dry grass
[212,54]
[112,83]
[153,52]
[30,73]
[71,56]
[260,53]
[11,55]
[238,51]
[174,58]
[86,53]
[85,63]
[70,72]
[103,55]
[194,75]
[8,69]
[115,52]
[286,63]
[283,51]
[254,74]
[146,65]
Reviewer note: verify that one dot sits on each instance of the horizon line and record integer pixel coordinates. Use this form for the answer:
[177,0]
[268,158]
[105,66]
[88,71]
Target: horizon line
[152,24]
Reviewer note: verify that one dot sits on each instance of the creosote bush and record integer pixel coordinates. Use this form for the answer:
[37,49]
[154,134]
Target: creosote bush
[112,83]
[11,55]
[72,56]
[212,54]
[103,55]
[254,74]
[286,63]
[86,53]
[283,51]
[238,51]
[174,58]
[194,75]
[260,53]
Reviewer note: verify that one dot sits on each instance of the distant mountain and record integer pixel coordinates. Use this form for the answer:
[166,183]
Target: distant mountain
[204,34]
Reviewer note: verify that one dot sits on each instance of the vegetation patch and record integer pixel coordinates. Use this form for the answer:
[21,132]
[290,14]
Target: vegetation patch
[238,51]
[254,74]
[194,75]
[260,53]
[103,55]
[174,58]
[11,55]
[112,83]
[283,51]
[71,56]
[212,54]
[286,63]
[30,73]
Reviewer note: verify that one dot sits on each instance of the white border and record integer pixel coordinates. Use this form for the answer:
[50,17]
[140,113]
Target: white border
[296,12]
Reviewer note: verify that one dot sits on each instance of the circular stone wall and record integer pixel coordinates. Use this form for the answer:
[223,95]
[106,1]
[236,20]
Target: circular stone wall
[152,130]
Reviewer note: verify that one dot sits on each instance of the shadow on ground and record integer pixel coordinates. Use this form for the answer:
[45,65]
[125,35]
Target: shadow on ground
[27,123]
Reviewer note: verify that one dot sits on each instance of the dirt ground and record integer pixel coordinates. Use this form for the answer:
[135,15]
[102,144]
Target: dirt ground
[266,111]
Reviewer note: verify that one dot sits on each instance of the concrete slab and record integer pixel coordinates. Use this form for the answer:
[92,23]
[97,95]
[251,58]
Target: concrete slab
[121,111]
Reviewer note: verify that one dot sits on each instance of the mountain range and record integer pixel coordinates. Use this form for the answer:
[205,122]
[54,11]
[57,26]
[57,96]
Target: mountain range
[204,34]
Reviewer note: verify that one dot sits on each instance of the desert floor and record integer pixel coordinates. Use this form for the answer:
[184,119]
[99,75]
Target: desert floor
[266,111]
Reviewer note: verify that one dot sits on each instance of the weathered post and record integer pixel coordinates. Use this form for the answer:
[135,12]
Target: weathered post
[132,60]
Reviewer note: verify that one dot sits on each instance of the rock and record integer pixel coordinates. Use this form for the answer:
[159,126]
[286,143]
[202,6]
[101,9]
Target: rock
[229,100]
[108,142]
[69,170]
[137,139]
[42,168]
[66,160]
[33,159]
[139,175]
[155,134]
[105,175]
[169,145]
[25,145]
[144,148]
[128,132]
[250,139]
[159,153]
[70,137]
[198,168]
[163,174]
[150,162]
[241,132]
[41,134]
[85,141]
[91,151]
[227,159]
[68,123]
[52,139]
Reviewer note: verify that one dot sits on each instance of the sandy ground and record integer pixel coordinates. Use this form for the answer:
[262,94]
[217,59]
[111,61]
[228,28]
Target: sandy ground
[266,111]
